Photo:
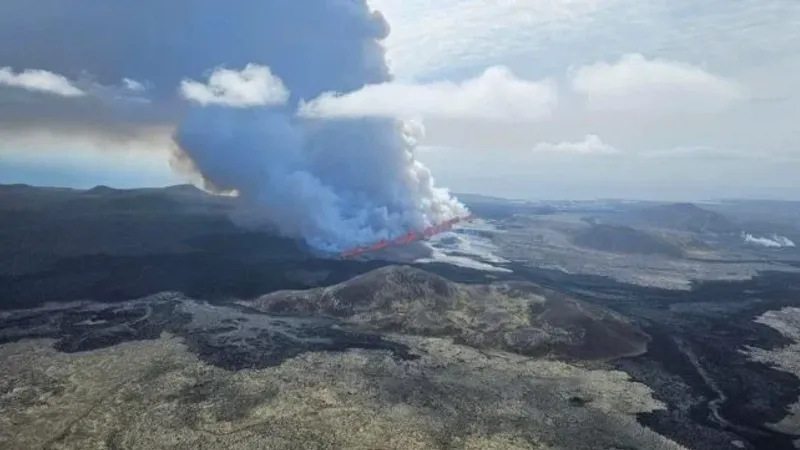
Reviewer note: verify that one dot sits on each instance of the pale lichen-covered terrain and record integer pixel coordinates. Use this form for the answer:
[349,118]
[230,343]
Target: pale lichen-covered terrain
[155,394]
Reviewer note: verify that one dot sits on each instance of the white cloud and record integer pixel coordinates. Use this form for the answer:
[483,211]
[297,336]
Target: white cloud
[254,85]
[132,85]
[635,83]
[428,37]
[590,145]
[749,148]
[39,81]
[497,94]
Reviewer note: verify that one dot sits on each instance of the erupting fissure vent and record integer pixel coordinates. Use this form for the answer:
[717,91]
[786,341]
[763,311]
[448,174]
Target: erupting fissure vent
[411,236]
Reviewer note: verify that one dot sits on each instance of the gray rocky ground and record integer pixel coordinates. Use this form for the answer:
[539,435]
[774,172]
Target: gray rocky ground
[171,319]
[155,394]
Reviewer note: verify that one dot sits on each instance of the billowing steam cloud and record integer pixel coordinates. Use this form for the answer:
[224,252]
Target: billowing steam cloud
[773,242]
[338,183]
[244,69]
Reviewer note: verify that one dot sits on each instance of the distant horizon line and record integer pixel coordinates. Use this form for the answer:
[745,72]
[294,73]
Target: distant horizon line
[456,194]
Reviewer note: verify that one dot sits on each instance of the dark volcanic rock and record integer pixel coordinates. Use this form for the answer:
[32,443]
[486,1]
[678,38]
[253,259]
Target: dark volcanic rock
[228,336]
[623,239]
[513,316]
[688,217]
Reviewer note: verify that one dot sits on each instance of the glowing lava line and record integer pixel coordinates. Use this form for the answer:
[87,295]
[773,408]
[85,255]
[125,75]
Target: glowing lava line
[408,238]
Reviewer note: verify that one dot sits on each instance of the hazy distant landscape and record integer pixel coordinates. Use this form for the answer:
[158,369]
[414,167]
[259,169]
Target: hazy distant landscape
[168,317]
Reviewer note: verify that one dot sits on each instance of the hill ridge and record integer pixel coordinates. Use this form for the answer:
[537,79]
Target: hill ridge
[518,317]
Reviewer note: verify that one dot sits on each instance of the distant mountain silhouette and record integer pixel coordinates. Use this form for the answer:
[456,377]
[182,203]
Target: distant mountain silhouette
[687,217]
[102,190]
[40,225]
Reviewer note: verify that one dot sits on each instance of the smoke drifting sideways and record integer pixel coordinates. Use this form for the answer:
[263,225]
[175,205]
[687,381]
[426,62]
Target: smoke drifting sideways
[338,183]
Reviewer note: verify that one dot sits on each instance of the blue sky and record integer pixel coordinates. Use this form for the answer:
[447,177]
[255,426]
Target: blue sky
[85,169]
[590,98]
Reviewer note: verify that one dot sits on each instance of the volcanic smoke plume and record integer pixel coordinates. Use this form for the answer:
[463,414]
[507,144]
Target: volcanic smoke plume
[230,78]
[336,182]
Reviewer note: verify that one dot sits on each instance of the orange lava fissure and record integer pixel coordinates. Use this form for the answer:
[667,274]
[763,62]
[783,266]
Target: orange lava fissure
[408,238]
